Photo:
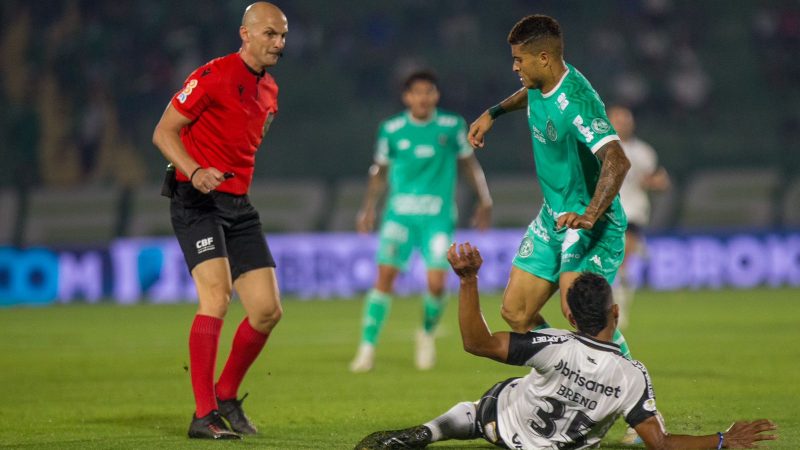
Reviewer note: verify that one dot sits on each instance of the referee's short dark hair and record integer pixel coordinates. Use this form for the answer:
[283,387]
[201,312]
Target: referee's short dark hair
[589,299]
[420,75]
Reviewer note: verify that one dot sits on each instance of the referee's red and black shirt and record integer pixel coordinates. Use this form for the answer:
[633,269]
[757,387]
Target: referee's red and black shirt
[231,107]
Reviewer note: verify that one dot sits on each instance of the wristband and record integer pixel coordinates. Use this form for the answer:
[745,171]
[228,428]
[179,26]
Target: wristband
[192,175]
[721,439]
[496,111]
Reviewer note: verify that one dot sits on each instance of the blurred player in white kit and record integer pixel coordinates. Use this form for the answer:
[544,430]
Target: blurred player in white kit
[645,176]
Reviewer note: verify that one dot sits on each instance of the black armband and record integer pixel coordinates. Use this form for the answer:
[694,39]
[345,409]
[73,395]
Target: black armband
[496,111]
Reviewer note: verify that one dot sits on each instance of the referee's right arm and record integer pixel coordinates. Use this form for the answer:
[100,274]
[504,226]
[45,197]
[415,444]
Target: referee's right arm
[167,137]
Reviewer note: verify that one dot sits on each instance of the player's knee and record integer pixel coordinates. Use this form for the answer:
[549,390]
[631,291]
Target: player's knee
[266,319]
[385,282]
[384,286]
[515,318]
[218,291]
[436,289]
[274,315]
[214,298]
[565,311]
[213,309]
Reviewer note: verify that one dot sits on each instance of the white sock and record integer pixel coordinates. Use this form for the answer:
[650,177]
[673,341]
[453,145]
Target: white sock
[457,423]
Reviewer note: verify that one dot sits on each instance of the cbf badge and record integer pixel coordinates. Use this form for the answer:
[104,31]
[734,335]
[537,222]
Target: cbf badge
[551,131]
[525,248]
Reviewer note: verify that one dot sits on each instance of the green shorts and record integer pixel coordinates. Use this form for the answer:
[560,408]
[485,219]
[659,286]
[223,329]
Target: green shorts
[547,252]
[399,235]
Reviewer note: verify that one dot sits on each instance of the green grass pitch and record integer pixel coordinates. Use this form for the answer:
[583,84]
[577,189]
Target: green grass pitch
[103,376]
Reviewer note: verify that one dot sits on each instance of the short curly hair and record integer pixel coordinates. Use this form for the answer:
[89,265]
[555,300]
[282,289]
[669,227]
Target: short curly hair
[589,299]
[536,28]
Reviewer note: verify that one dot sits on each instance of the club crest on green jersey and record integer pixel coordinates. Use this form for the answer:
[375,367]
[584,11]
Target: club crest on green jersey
[551,131]
[600,126]
[525,247]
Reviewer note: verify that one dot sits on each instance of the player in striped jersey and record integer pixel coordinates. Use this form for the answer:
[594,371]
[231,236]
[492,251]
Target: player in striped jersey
[578,386]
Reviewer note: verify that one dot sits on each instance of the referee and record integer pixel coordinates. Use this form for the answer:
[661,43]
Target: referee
[210,132]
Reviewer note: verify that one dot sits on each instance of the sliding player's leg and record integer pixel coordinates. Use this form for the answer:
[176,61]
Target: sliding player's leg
[464,421]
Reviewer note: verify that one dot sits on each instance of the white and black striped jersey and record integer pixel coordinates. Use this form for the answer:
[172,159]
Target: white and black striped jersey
[576,390]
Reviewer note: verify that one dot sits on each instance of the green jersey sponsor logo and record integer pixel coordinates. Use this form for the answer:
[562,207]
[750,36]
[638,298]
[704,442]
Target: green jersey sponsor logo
[538,135]
[562,101]
[418,205]
[582,129]
[424,151]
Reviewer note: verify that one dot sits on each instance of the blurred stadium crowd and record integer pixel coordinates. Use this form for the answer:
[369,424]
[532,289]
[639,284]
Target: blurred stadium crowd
[714,86]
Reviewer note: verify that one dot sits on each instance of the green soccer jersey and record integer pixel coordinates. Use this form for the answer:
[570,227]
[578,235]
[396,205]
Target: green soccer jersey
[568,125]
[423,162]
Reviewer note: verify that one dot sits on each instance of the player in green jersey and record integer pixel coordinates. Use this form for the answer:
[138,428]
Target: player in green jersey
[418,152]
[580,165]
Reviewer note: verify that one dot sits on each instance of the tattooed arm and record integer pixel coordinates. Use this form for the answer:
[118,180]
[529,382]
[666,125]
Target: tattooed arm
[612,172]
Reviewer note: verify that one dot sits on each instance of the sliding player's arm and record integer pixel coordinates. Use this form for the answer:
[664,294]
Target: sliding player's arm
[475,334]
[739,435]
[482,125]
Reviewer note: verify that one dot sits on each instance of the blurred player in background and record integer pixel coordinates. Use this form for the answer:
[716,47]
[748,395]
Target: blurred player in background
[578,385]
[580,166]
[210,132]
[644,176]
[419,150]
